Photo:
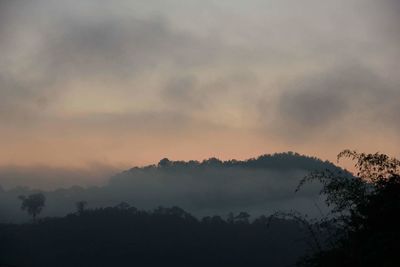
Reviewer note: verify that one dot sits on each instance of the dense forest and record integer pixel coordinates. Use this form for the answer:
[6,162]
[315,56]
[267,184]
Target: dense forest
[126,236]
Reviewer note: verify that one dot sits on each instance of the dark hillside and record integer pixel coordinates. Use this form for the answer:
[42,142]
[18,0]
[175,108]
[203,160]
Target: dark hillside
[125,236]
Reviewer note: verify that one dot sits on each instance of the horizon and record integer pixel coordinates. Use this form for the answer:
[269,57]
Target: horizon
[98,174]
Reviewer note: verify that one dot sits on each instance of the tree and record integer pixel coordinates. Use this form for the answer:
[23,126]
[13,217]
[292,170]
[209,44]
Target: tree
[81,206]
[164,163]
[33,204]
[365,208]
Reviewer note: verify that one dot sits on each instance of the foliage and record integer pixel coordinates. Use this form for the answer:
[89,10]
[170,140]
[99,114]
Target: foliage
[365,210]
[33,204]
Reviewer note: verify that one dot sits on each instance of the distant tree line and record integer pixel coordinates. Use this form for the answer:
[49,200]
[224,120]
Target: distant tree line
[126,236]
[266,161]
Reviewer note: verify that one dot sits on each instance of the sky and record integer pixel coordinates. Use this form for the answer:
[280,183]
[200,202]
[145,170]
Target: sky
[90,87]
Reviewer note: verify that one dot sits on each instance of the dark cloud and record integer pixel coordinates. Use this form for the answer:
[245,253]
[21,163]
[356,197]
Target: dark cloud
[116,47]
[190,93]
[22,98]
[385,19]
[184,92]
[52,48]
[334,95]
[312,108]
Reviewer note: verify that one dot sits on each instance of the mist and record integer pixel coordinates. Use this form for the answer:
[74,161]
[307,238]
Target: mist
[261,185]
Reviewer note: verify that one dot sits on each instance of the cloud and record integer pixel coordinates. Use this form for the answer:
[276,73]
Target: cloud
[128,67]
[117,47]
[343,96]
[53,49]
[184,92]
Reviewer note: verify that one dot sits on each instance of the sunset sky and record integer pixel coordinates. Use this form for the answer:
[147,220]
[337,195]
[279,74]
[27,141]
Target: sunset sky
[90,87]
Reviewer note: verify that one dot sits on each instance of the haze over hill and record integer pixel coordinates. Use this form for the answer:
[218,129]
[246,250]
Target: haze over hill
[259,185]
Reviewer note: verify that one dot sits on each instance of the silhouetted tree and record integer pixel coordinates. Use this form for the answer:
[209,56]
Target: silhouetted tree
[81,206]
[33,204]
[164,163]
[365,212]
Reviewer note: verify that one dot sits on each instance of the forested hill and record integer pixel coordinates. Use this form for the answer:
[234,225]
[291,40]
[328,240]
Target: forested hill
[259,185]
[277,161]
